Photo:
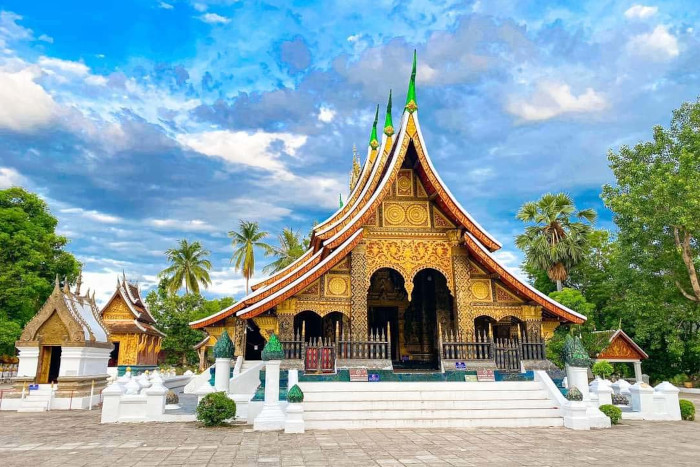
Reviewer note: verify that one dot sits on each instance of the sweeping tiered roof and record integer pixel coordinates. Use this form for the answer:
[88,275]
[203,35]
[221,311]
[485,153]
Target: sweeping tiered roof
[333,239]
[143,322]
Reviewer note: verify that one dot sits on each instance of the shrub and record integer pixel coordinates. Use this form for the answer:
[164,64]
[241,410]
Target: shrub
[687,410]
[613,413]
[679,379]
[215,408]
[295,395]
[574,394]
[603,369]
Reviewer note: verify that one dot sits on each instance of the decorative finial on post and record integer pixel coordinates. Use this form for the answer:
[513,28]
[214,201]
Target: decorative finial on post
[373,141]
[79,283]
[411,104]
[340,200]
[57,283]
[388,124]
[66,286]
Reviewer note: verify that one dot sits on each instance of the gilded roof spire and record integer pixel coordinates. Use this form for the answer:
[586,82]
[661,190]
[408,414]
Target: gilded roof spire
[388,125]
[373,141]
[411,104]
[340,199]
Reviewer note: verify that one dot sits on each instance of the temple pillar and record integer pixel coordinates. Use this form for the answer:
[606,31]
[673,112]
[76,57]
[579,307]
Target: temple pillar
[359,287]
[239,337]
[285,318]
[462,276]
[532,315]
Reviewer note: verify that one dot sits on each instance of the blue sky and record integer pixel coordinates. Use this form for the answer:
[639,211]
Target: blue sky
[143,122]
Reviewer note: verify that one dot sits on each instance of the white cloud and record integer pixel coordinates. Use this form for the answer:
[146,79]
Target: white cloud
[252,149]
[96,80]
[45,38]
[51,65]
[511,261]
[641,12]
[658,45]
[10,177]
[93,215]
[552,99]
[165,6]
[194,225]
[24,104]
[326,114]
[229,282]
[213,18]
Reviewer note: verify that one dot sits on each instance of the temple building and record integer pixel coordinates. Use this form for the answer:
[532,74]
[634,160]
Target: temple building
[63,354]
[132,329]
[400,275]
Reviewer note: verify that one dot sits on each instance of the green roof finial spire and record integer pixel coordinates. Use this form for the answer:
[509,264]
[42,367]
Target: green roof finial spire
[411,105]
[340,199]
[373,141]
[388,125]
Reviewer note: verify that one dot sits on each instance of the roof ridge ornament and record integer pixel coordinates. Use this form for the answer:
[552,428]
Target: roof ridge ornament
[373,141]
[388,124]
[411,104]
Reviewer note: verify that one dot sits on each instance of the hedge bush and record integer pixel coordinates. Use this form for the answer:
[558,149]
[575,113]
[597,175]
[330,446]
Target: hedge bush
[613,413]
[603,369]
[687,410]
[215,408]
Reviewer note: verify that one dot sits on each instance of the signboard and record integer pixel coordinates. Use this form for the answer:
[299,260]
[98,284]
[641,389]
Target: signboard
[485,375]
[358,374]
[470,378]
[460,365]
[373,378]
[33,387]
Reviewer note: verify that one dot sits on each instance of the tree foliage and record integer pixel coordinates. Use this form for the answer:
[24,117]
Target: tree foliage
[291,247]
[31,256]
[244,242]
[554,243]
[188,267]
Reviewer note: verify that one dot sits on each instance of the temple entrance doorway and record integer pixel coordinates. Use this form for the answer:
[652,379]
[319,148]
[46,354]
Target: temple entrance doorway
[254,341]
[114,356]
[49,364]
[312,326]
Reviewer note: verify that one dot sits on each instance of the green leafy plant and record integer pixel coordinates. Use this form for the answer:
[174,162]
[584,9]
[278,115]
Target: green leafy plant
[215,408]
[574,394]
[679,379]
[223,347]
[273,349]
[295,395]
[603,368]
[574,353]
[613,413]
[687,410]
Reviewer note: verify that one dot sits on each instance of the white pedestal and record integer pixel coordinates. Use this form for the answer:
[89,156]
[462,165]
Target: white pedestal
[293,378]
[671,407]
[575,416]
[603,390]
[295,418]
[203,390]
[621,387]
[222,374]
[642,398]
[111,396]
[271,418]
[578,377]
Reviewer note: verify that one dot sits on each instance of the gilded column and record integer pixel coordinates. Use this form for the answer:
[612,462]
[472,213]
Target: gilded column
[359,283]
[460,265]
[239,337]
[285,318]
[532,315]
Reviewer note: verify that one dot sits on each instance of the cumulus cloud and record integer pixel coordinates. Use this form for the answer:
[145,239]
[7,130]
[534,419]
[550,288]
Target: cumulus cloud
[259,149]
[93,215]
[24,104]
[52,65]
[213,18]
[165,6]
[9,177]
[641,12]
[326,114]
[658,45]
[194,225]
[552,99]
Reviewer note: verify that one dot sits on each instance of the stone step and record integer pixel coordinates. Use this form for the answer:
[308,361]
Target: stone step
[372,405]
[434,423]
[440,386]
[431,414]
[33,405]
[406,396]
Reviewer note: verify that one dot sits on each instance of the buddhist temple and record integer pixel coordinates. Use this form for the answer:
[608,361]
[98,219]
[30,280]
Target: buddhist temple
[400,276]
[618,347]
[63,354]
[132,329]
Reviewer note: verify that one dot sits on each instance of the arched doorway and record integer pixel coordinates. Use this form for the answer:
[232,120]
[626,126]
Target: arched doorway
[387,299]
[308,324]
[254,341]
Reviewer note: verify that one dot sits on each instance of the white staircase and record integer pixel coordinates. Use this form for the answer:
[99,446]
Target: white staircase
[37,400]
[428,405]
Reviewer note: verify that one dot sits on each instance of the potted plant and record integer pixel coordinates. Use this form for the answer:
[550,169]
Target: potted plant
[682,379]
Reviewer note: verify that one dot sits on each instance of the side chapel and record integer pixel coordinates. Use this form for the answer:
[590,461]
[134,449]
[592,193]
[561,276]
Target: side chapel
[401,262]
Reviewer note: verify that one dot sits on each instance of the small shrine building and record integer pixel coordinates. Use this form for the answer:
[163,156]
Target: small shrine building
[618,347]
[132,329]
[399,275]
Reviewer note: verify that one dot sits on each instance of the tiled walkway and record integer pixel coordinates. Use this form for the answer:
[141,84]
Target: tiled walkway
[76,438]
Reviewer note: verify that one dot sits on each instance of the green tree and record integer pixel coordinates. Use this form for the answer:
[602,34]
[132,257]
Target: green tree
[290,248]
[9,333]
[31,256]
[188,266]
[657,201]
[244,243]
[555,243]
[574,300]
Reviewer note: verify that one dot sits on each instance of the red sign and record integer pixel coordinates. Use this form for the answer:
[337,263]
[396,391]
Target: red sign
[485,375]
[358,374]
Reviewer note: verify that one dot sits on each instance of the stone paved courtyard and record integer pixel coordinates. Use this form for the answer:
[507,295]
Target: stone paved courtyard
[76,438]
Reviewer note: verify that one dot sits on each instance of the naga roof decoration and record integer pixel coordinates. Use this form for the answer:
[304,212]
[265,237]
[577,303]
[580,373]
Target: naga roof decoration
[334,238]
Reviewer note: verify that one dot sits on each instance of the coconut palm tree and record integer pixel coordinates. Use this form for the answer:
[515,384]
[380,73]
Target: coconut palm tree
[188,266]
[290,248]
[555,243]
[244,243]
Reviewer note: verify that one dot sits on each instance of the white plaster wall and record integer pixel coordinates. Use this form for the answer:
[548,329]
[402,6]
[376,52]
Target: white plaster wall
[83,361]
[28,361]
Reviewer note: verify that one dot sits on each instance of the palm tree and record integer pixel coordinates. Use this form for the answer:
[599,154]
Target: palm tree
[244,243]
[290,249]
[554,243]
[188,265]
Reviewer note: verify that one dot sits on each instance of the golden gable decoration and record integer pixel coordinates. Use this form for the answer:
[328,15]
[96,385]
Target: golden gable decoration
[481,289]
[440,221]
[406,214]
[337,285]
[404,183]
